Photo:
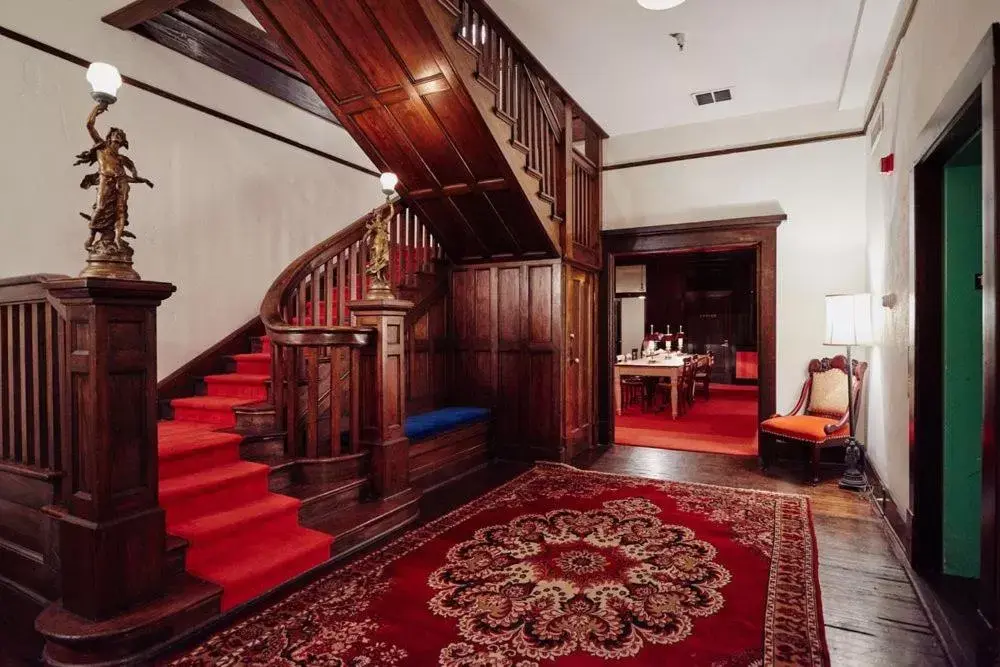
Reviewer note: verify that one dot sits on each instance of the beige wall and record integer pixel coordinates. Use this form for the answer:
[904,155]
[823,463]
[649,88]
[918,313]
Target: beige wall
[821,247]
[941,38]
[231,207]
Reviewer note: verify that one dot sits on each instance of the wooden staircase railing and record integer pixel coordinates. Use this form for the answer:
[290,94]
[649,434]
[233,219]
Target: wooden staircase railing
[316,353]
[545,124]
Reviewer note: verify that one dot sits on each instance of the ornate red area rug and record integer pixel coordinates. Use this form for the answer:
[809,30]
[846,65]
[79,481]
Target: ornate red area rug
[563,567]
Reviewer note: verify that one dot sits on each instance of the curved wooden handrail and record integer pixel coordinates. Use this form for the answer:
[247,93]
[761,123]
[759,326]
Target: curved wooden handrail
[297,335]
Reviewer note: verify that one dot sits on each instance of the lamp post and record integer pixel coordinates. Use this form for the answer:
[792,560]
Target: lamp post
[849,323]
[109,254]
[377,238]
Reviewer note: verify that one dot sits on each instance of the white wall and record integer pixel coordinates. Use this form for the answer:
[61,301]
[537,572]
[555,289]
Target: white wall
[941,38]
[821,246]
[231,207]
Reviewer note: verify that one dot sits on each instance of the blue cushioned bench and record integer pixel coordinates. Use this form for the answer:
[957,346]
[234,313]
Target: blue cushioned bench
[446,443]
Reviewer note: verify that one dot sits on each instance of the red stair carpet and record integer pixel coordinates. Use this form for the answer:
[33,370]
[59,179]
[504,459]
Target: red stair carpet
[563,568]
[726,423]
[240,536]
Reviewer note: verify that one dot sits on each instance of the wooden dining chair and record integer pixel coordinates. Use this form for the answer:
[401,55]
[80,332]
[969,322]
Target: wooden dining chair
[824,407]
[703,374]
[633,390]
[687,383]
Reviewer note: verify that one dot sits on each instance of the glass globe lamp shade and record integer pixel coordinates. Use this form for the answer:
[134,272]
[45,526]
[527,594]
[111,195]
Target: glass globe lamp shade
[104,81]
[660,4]
[388,181]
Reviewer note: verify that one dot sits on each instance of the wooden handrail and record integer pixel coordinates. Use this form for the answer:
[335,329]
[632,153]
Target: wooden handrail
[300,335]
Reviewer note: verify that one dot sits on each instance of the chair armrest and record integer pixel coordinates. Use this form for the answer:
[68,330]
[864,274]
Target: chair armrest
[830,429]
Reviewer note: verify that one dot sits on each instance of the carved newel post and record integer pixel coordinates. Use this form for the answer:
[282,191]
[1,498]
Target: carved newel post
[383,364]
[112,532]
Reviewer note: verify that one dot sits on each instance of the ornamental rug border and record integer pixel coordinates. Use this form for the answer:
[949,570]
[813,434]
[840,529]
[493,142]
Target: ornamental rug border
[793,632]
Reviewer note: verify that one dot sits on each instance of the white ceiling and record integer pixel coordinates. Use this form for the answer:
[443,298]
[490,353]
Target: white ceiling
[620,63]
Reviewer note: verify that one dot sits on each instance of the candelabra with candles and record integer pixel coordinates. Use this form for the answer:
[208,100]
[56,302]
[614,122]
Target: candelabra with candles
[109,254]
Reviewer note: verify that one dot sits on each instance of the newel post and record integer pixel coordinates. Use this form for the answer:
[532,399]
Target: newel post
[111,533]
[383,392]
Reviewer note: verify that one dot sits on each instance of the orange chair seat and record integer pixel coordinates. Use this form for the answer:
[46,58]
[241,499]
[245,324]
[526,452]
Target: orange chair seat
[803,427]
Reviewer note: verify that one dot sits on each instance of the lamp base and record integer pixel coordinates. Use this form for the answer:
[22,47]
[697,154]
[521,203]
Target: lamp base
[854,478]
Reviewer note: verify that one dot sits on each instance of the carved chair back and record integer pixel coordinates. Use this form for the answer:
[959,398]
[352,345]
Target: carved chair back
[825,392]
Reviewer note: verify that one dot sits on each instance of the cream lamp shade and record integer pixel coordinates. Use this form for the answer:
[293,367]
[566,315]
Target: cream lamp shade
[388,181]
[660,4]
[849,319]
[104,80]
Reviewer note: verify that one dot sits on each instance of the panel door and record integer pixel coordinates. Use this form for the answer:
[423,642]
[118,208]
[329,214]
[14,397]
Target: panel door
[581,349]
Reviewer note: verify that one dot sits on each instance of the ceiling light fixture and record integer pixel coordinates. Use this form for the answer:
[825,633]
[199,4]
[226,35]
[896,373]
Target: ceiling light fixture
[660,4]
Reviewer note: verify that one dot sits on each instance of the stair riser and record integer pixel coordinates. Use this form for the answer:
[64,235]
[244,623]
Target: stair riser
[314,511]
[251,392]
[207,549]
[225,495]
[255,421]
[253,367]
[224,418]
[377,530]
[196,462]
[239,593]
[266,449]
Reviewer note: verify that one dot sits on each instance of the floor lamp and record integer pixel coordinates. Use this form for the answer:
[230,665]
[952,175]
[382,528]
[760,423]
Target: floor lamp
[849,323]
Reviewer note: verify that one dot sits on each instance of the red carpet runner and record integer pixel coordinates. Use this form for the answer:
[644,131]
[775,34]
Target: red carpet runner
[567,568]
[726,423]
[240,535]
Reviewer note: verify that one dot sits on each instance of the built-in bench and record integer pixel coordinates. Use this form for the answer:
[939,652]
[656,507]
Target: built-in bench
[446,443]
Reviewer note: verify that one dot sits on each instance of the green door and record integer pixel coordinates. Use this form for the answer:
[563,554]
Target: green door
[963,360]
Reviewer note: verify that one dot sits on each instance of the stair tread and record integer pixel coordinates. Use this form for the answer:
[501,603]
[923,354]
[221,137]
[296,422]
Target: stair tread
[239,378]
[177,442]
[209,478]
[252,356]
[310,492]
[210,402]
[365,513]
[221,522]
[270,553]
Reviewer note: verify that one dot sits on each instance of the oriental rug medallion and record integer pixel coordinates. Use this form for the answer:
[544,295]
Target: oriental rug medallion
[563,567]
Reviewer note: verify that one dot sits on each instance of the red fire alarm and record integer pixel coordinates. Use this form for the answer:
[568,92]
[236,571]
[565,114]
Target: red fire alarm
[889,163]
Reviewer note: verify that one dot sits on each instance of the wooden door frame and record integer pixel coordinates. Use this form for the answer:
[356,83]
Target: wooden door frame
[972,102]
[759,233]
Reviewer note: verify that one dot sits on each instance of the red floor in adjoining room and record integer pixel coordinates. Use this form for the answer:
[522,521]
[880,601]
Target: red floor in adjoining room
[725,423]
[240,535]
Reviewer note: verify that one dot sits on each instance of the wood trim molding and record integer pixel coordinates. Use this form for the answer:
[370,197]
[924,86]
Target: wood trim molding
[759,233]
[851,134]
[139,11]
[149,88]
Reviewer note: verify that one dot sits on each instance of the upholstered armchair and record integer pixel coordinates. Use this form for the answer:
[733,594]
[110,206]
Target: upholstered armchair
[821,417]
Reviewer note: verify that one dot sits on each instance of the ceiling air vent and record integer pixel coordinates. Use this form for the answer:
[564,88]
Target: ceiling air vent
[713,97]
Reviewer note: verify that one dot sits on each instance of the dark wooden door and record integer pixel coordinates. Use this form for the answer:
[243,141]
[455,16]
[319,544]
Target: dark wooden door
[581,349]
[709,315]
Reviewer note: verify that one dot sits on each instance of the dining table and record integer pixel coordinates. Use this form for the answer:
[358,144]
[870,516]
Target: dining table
[665,365]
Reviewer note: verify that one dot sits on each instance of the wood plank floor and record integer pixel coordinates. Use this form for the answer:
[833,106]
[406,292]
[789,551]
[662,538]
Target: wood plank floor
[872,614]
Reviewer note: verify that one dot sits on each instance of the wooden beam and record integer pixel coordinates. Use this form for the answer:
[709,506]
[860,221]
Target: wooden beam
[140,11]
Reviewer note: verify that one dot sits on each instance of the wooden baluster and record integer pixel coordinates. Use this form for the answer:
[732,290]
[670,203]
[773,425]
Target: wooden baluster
[354,271]
[291,374]
[342,262]
[355,437]
[316,294]
[331,293]
[421,243]
[335,406]
[24,383]
[12,399]
[300,302]
[37,361]
[6,441]
[363,274]
[409,262]
[278,381]
[465,22]
[312,402]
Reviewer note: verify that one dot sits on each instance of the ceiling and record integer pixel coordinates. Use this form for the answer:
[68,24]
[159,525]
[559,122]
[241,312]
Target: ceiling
[620,63]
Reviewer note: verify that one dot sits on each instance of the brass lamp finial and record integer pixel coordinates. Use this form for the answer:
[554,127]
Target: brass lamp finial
[377,238]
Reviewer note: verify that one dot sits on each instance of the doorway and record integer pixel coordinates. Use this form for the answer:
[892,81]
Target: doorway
[700,306]
[746,371]
[953,362]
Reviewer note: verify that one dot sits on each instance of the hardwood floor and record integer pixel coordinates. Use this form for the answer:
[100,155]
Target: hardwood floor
[872,613]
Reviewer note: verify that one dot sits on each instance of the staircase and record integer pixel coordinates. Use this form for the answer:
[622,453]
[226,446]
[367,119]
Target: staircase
[248,513]
[440,92]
